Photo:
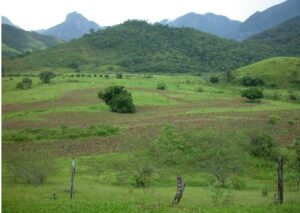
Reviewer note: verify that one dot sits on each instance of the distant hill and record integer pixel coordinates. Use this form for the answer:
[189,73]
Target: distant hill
[278,70]
[209,23]
[284,38]
[73,27]
[17,41]
[137,46]
[5,20]
[261,21]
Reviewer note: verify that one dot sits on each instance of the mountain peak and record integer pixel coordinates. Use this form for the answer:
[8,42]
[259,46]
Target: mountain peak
[75,26]
[75,16]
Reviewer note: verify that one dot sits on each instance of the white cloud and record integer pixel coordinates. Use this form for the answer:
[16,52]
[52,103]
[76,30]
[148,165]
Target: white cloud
[41,14]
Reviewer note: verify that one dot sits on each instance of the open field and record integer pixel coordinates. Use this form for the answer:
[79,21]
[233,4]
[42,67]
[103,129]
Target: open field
[70,105]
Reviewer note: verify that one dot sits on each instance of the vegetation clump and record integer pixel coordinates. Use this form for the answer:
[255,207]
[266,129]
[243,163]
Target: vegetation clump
[252,94]
[46,76]
[119,75]
[263,146]
[118,99]
[249,81]
[161,86]
[214,80]
[26,83]
[30,167]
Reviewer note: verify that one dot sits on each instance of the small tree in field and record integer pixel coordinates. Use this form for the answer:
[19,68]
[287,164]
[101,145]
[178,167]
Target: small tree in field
[252,94]
[118,98]
[46,76]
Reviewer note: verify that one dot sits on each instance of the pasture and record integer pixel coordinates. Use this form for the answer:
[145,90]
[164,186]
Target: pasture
[65,119]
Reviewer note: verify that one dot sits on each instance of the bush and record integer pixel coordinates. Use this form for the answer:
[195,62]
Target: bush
[214,80]
[74,65]
[252,93]
[168,147]
[118,99]
[238,183]
[119,76]
[263,146]
[161,86]
[249,81]
[26,83]
[30,167]
[200,89]
[46,76]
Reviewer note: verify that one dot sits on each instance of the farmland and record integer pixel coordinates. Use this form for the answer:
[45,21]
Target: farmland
[65,119]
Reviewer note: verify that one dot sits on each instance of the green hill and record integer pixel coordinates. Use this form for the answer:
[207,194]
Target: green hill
[16,41]
[278,70]
[137,46]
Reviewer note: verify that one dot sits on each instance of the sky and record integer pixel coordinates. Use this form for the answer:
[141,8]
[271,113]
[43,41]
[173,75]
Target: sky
[43,14]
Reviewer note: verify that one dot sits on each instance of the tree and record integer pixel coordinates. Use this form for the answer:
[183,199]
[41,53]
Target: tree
[46,76]
[118,98]
[26,83]
[252,94]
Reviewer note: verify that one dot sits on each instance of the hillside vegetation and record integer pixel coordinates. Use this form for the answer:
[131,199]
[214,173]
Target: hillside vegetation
[137,46]
[17,41]
[278,70]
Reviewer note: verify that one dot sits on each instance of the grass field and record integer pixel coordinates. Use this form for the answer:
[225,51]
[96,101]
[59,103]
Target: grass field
[66,119]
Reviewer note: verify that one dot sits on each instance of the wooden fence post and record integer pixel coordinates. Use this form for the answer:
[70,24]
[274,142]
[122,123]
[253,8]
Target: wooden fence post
[280,180]
[73,179]
[180,189]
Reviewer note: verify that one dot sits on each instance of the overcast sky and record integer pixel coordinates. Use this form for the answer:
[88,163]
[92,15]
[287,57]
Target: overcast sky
[43,14]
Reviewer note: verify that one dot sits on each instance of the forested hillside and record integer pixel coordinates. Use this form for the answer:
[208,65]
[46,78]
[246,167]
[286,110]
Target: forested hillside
[137,46]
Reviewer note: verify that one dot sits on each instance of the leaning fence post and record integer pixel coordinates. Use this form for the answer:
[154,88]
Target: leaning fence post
[280,180]
[73,179]
[180,189]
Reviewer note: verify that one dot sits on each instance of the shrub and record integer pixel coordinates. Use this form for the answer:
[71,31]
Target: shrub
[142,176]
[263,146]
[168,147]
[46,76]
[73,65]
[95,75]
[30,167]
[238,183]
[119,75]
[273,85]
[161,86]
[252,93]
[249,81]
[26,83]
[265,191]
[200,89]
[118,99]
[214,80]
